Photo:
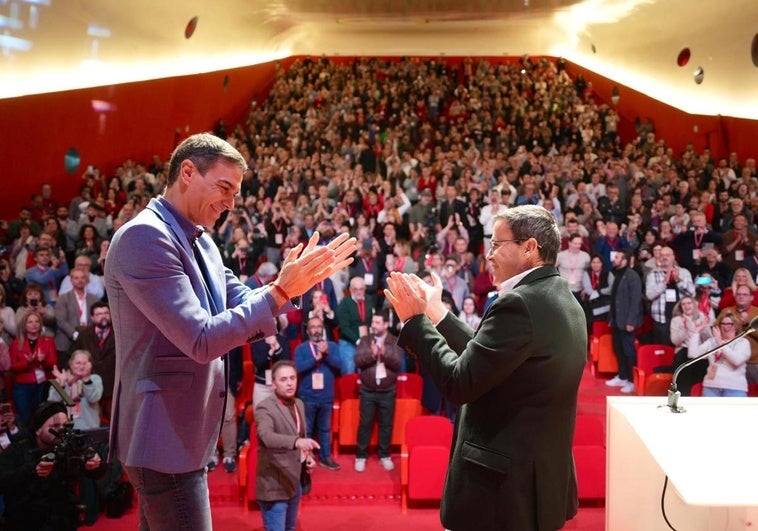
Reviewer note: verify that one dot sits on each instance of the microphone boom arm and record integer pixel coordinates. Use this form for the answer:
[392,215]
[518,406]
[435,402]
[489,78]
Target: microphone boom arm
[674,394]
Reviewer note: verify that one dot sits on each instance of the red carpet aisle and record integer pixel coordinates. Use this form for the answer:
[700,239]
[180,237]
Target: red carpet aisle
[346,500]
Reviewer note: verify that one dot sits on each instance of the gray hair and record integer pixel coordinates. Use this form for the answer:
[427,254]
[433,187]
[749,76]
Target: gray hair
[267,269]
[532,221]
[204,150]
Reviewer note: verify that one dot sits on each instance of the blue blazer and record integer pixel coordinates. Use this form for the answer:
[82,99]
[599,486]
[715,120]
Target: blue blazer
[170,332]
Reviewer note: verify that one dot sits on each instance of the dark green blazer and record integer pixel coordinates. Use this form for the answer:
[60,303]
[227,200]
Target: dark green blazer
[517,378]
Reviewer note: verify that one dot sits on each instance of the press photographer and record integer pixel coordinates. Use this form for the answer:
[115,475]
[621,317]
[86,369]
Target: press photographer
[38,474]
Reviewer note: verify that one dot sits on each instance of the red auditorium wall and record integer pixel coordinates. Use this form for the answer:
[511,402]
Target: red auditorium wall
[722,134]
[148,118]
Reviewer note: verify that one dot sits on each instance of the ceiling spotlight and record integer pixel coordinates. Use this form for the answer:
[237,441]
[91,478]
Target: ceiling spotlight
[684,57]
[699,75]
[191,27]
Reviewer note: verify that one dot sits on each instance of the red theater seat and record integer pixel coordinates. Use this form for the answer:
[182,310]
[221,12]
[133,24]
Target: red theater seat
[424,458]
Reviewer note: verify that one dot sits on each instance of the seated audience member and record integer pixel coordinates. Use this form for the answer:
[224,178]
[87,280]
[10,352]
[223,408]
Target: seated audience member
[83,387]
[97,338]
[40,493]
[688,319]
[284,451]
[317,361]
[725,375]
[741,277]
[710,263]
[707,294]
[33,357]
[468,313]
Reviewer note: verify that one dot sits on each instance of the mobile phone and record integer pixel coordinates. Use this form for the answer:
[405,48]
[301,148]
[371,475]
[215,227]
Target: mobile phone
[6,408]
[324,299]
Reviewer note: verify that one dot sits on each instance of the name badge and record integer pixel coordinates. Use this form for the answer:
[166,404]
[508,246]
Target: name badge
[39,374]
[278,239]
[381,370]
[269,381]
[670,295]
[696,254]
[5,441]
[739,255]
[368,278]
[317,381]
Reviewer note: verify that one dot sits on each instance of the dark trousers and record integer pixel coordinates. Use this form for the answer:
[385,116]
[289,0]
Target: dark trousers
[623,346]
[383,404]
[661,333]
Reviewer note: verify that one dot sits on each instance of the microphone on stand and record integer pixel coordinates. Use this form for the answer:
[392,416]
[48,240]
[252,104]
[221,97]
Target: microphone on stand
[674,394]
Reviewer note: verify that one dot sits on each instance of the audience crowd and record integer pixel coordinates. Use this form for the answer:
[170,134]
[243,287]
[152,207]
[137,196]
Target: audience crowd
[414,157]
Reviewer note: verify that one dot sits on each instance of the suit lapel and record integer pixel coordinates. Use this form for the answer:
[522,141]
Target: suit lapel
[287,416]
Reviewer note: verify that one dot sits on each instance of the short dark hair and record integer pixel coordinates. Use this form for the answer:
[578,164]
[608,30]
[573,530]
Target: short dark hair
[282,363]
[532,221]
[96,305]
[204,150]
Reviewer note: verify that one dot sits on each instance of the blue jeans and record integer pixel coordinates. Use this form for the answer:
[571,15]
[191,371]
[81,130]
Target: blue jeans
[319,414]
[171,501]
[280,515]
[720,391]
[347,357]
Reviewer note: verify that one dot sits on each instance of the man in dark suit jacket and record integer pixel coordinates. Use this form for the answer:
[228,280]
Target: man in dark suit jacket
[516,376]
[176,311]
[97,338]
[353,316]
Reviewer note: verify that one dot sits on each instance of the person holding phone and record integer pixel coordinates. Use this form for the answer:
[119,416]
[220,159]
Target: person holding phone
[317,361]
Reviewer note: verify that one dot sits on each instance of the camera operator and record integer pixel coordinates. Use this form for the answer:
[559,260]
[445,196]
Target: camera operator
[36,476]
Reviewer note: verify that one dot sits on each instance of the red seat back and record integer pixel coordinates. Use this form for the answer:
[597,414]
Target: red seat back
[651,356]
[428,430]
[409,385]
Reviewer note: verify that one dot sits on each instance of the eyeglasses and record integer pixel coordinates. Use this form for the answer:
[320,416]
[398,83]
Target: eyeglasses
[495,244]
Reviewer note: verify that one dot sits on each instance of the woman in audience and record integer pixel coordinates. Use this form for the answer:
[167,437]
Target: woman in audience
[13,286]
[688,319]
[596,290]
[33,356]
[33,301]
[83,387]
[741,277]
[88,243]
[725,375]
[468,312]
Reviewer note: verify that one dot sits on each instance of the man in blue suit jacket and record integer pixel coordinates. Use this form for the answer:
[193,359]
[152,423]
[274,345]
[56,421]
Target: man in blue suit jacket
[176,311]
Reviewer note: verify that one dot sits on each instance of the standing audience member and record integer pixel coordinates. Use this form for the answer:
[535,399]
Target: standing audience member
[378,357]
[353,315]
[47,272]
[265,355]
[687,320]
[72,312]
[12,285]
[517,378]
[176,311]
[284,452]
[689,245]
[572,264]
[98,339]
[8,324]
[33,357]
[625,317]
[95,284]
[33,301]
[318,362]
[725,375]
[665,285]
[596,288]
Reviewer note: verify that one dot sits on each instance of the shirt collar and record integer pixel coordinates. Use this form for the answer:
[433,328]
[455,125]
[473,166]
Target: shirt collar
[190,230]
[508,285]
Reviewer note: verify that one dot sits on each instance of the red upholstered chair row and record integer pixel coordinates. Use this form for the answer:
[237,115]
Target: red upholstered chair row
[424,458]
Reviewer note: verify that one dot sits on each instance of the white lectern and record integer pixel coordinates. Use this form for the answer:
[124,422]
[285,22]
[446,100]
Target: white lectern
[709,453]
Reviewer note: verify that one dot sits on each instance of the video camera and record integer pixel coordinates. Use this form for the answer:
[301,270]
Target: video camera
[73,447]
